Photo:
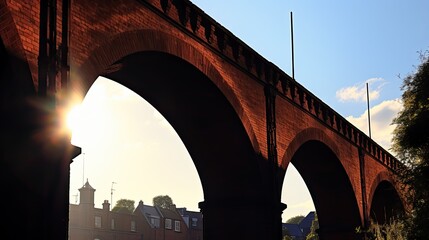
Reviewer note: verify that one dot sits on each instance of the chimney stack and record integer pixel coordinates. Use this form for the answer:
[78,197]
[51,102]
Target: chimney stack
[106,205]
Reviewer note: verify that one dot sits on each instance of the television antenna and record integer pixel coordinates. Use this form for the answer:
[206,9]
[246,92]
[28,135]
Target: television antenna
[111,193]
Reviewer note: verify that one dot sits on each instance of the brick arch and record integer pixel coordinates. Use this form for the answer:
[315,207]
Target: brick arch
[305,136]
[101,62]
[15,55]
[205,121]
[9,34]
[385,178]
[316,157]
[381,176]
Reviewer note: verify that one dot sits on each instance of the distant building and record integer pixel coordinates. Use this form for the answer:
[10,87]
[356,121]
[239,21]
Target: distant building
[293,230]
[300,230]
[151,221]
[146,222]
[161,223]
[305,223]
[194,222]
[89,223]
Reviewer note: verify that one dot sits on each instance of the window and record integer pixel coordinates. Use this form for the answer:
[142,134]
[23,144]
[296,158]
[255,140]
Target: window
[177,226]
[154,221]
[168,223]
[97,221]
[112,223]
[133,226]
[194,222]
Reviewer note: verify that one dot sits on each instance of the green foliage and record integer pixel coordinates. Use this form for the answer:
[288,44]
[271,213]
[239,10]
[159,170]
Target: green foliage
[312,235]
[164,201]
[296,219]
[411,144]
[287,237]
[124,205]
[286,234]
[411,136]
[394,230]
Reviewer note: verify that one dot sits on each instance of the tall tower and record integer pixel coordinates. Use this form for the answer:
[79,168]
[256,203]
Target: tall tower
[86,205]
[87,194]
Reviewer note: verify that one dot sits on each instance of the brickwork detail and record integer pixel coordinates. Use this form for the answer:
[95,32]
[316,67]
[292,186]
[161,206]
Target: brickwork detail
[104,32]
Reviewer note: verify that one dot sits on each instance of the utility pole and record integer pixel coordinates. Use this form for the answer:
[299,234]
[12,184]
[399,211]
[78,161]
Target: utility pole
[369,114]
[291,38]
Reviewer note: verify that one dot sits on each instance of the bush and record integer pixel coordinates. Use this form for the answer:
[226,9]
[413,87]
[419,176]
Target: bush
[393,230]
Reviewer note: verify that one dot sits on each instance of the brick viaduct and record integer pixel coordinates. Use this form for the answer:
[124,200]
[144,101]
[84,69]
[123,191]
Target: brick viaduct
[242,119]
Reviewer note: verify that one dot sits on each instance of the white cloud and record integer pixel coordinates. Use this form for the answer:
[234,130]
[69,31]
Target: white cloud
[357,92]
[382,116]
[305,205]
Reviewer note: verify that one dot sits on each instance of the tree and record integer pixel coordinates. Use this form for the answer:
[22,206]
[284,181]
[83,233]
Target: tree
[296,219]
[124,205]
[312,235]
[411,144]
[164,201]
[287,237]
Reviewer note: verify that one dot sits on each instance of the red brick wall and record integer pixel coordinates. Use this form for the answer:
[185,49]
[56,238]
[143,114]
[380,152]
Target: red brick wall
[103,32]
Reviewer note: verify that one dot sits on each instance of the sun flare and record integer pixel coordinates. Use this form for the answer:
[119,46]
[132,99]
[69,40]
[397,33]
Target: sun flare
[87,119]
[73,119]
[74,122]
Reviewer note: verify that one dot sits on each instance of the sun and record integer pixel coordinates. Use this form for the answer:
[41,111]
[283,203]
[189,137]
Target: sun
[73,118]
[74,122]
[89,119]
[86,118]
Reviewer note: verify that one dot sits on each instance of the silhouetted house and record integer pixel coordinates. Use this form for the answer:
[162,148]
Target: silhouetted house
[194,222]
[175,227]
[302,229]
[161,223]
[293,230]
[305,223]
[89,223]
[151,221]
[146,222]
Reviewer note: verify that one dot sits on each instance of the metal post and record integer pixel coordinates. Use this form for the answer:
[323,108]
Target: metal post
[291,36]
[111,193]
[369,114]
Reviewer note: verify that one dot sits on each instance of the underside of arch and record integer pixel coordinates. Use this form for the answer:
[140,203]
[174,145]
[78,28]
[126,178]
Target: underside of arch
[201,115]
[330,188]
[104,61]
[386,204]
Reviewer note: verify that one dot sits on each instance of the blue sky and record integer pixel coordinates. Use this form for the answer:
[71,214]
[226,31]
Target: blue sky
[339,46]
[337,43]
